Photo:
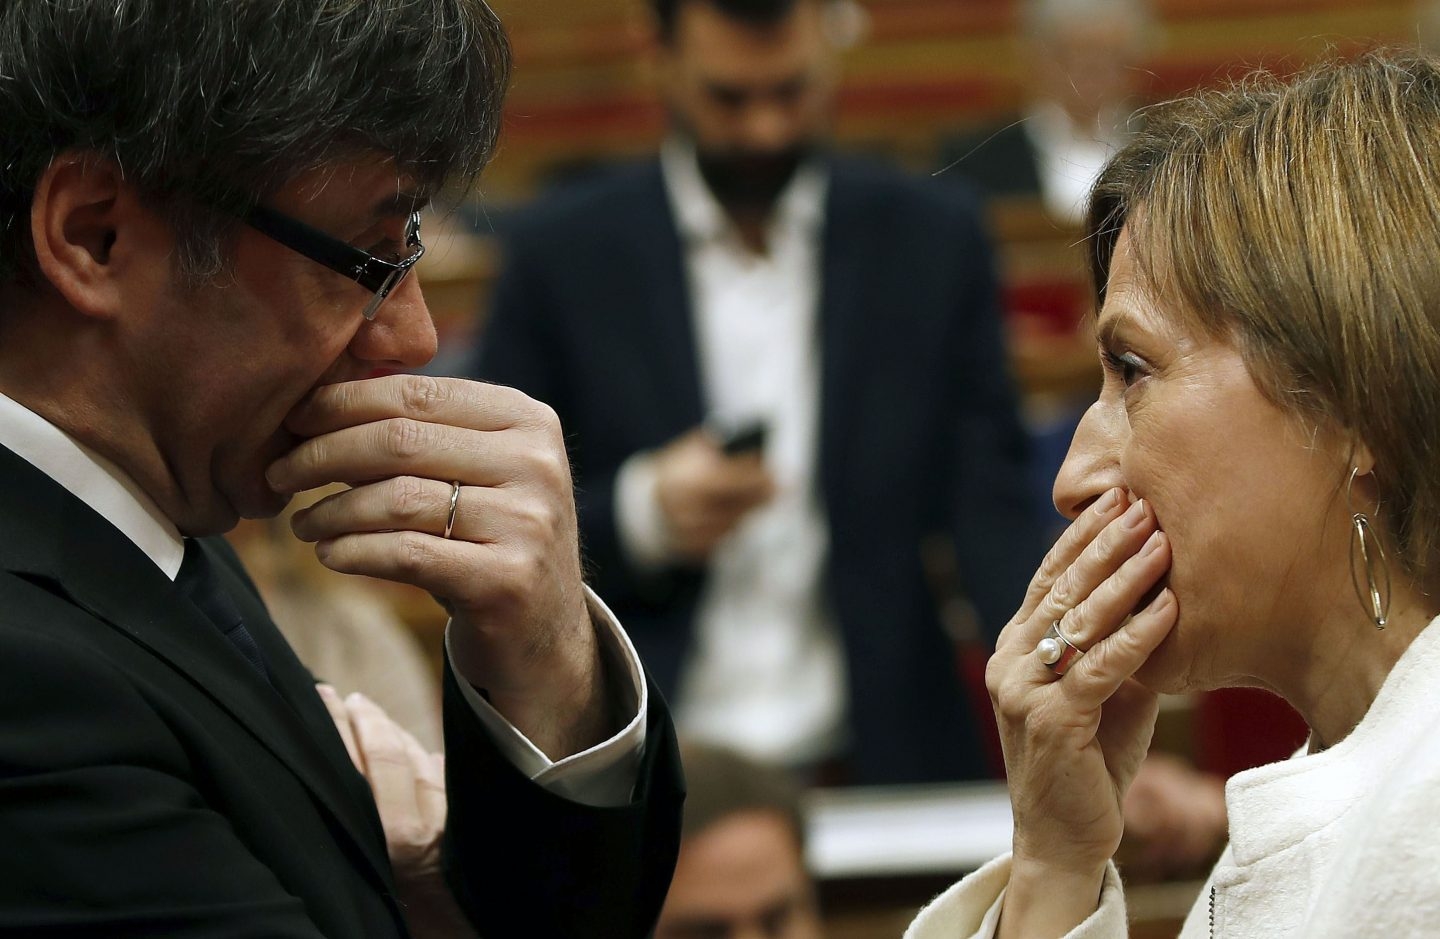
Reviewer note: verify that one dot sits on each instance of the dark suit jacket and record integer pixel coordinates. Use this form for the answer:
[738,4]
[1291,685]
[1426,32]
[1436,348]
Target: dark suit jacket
[152,784]
[918,428]
[996,161]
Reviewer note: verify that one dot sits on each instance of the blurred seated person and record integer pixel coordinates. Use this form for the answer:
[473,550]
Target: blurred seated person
[1082,57]
[1175,820]
[741,872]
[343,629]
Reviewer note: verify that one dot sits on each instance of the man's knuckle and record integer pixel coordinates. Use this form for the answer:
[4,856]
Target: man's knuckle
[550,467]
[408,499]
[422,394]
[412,553]
[404,438]
[544,416]
[537,519]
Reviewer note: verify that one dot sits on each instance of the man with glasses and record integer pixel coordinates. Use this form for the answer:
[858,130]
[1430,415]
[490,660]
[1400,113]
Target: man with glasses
[207,215]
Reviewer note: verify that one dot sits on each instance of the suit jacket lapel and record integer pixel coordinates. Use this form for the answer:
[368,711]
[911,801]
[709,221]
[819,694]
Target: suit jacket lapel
[669,326]
[46,533]
[320,747]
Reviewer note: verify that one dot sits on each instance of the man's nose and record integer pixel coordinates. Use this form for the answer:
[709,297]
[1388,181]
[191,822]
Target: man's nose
[1092,466]
[402,335]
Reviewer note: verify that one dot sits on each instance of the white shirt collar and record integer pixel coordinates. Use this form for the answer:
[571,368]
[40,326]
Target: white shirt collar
[93,480]
[700,216]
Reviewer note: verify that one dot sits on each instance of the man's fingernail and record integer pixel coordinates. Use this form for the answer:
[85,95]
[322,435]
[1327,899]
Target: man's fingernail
[1134,517]
[1107,502]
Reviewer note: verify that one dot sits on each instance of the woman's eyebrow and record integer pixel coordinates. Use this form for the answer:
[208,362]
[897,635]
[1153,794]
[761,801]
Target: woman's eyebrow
[1108,326]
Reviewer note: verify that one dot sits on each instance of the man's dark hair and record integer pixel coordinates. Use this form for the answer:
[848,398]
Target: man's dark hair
[221,102]
[759,12]
[720,783]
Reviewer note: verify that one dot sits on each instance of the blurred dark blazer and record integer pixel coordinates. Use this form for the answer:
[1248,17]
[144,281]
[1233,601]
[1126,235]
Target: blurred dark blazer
[918,431]
[152,784]
[997,162]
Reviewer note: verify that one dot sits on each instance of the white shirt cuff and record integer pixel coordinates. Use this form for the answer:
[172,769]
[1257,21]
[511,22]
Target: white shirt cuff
[644,536]
[605,774]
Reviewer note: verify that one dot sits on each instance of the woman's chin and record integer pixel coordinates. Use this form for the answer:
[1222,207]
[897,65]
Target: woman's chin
[1169,669]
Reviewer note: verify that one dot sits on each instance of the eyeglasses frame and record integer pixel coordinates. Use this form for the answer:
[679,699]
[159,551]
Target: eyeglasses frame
[377,275]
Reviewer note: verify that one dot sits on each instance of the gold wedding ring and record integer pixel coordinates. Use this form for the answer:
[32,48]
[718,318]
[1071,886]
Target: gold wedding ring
[454,504]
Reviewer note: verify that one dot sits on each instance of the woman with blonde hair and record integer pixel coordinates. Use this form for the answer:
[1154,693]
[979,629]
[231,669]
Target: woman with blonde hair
[1255,500]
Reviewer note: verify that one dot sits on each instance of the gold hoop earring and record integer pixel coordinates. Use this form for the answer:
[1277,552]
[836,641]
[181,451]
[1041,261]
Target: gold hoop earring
[1373,598]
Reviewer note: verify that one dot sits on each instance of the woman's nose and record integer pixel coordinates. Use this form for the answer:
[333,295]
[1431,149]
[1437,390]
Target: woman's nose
[1092,466]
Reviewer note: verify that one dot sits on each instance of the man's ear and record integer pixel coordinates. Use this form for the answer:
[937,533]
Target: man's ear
[85,222]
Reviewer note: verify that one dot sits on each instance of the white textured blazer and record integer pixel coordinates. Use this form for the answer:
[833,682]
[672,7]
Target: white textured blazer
[1344,843]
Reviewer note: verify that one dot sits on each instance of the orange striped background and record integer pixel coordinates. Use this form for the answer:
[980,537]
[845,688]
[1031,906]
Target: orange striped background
[927,67]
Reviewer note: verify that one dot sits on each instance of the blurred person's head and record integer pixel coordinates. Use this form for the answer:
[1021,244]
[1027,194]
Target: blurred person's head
[1084,53]
[144,304]
[752,83]
[741,872]
[1427,26]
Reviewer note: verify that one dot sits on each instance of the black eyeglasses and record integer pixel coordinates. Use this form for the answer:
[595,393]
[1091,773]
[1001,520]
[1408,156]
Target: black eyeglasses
[377,275]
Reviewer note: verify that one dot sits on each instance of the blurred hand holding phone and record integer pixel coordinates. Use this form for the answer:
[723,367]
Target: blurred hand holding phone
[707,481]
[740,437]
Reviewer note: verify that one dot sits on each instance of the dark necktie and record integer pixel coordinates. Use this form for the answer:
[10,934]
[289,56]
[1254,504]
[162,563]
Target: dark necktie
[197,581]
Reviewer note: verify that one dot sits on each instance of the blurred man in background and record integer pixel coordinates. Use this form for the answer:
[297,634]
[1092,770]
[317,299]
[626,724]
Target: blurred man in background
[781,373]
[741,872]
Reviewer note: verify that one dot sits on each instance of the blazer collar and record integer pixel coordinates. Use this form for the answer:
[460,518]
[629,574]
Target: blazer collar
[49,535]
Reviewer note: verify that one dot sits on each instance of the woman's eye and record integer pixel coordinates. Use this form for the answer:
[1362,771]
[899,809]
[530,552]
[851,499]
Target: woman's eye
[1124,366]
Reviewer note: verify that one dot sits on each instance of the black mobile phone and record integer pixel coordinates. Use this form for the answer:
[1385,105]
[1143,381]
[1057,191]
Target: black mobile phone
[748,437]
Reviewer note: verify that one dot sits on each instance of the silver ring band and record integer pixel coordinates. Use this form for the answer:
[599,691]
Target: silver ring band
[454,504]
[1056,651]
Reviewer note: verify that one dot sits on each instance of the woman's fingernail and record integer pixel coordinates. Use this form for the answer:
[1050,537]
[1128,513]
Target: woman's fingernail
[1152,544]
[1107,502]
[1161,602]
[1134,516]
